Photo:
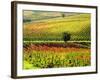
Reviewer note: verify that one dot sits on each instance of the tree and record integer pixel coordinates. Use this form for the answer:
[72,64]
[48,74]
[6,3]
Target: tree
[66,36]
[63,15]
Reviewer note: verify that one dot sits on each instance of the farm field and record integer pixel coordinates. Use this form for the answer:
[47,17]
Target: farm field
[56,39]
[52,29]
[55,55]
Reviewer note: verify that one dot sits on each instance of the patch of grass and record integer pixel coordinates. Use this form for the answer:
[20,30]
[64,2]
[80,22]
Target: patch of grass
[27,65]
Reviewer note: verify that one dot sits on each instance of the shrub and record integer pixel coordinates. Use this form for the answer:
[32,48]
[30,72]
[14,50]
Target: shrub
[66,36]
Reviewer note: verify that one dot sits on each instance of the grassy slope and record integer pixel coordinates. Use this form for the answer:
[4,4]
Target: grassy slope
[52,29]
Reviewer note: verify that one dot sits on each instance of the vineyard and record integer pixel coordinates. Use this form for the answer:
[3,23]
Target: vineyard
[53,28]
[48,55]
[43,40]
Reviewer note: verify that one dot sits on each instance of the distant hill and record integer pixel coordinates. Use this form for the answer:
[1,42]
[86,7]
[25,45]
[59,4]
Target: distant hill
[40,15]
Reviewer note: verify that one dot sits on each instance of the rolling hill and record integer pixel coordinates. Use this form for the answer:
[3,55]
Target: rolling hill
[50,26]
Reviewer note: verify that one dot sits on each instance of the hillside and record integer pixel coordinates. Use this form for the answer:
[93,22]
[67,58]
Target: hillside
[51,26]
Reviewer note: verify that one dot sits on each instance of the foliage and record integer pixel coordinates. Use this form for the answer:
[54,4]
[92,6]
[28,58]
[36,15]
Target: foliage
[51,56]
[66,36]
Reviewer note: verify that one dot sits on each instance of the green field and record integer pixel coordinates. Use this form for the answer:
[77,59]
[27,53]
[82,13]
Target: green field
[52,29]
[43,39]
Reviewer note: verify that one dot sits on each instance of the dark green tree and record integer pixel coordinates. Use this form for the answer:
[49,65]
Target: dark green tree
[63,15]
[66,36]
